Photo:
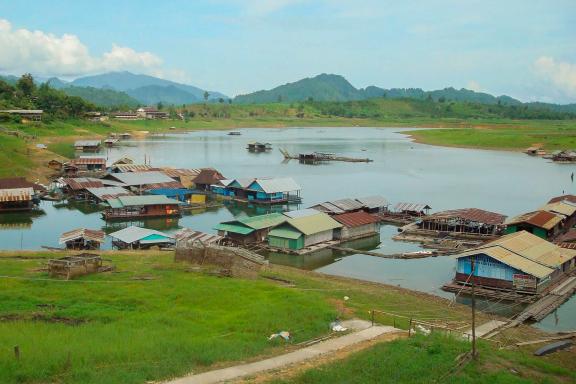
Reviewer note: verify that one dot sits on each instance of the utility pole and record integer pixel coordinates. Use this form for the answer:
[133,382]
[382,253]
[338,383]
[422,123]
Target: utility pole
[474,353]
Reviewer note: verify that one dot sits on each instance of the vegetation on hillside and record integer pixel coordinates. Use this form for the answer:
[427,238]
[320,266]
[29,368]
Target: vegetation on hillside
[103,97]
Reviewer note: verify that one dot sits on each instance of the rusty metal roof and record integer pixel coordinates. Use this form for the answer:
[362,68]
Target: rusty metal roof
[356,219]
[541,219]
[208,176]
[105,193]
[187,235]
[133,167]
[88,234]
[570,198]
[470,214]
[19,182]
[526,252]
[82,183]
[16,194]
[568,237]
[564,207]
[179,172]
[88,161]
[411,207]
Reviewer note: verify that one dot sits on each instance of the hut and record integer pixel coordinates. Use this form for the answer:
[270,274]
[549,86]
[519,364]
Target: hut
[140,182]
[521,262]
[252,229]
[304,231]
[88,164]
[101,194]
[567,240]
[356,225]
[184,195]
[221,188]
[472,221]
[17,199]
[374,204]
[207,177]
[55,164]
[237,188]
[77,188]
[273,190]
[336,207]
[21,182]
[87,145]
[129,207]
[73,266]
[546,225]
[412,209]
[82,239]
[134,237]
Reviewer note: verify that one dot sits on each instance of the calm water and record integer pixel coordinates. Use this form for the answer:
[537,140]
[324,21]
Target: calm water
[444,178]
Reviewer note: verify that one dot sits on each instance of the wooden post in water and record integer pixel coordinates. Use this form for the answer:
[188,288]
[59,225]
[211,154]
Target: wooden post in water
[474,353]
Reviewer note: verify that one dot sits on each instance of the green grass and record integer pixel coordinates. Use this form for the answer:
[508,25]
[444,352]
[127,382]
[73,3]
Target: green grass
[14,157]
[431,359]
[110,328]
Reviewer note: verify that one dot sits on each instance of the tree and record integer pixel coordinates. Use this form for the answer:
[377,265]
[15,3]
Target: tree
[220,100]
[159,106]
[384,95]
[229,101]
[442,99]
[279,98]
[206,96]
[26,85]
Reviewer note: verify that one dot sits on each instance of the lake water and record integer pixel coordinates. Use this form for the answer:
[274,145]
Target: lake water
[402,171]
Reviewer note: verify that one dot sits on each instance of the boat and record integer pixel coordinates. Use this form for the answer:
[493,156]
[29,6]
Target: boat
[234,133]
[553,347]
[258,147]
[320,157]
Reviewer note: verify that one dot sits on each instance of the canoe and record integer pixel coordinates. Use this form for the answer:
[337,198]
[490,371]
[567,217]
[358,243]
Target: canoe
[553,347]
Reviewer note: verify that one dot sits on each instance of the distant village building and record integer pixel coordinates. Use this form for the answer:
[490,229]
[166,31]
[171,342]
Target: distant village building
[25,114]
[88,164]
[125,115]
[151,113]
[206,178]
[87,145]
[412,209]
[140,182]
[261,190]
[356,225]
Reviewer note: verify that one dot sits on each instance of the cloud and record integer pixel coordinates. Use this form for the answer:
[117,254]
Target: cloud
[561,74]
[474,86]
[22,50]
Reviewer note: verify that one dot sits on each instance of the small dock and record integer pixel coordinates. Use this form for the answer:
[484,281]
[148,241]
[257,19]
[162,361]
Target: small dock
[319,157]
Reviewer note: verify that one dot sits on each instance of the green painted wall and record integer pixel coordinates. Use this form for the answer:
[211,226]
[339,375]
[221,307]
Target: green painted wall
[540,232]
[281,242]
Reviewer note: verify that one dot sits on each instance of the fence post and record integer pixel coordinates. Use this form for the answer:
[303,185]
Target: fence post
[17,352]
[372,315]
[394,321]
[410,328]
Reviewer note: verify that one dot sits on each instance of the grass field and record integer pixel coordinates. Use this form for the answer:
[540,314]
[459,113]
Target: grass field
[153,318]
[430,359]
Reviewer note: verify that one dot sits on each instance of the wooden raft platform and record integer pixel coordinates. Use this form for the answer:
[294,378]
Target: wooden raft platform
[408,255]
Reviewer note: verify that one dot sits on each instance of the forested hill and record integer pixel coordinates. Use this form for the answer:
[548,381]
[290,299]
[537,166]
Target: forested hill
[328,87]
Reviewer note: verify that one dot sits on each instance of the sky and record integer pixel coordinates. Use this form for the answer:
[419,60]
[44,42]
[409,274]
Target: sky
[524,49]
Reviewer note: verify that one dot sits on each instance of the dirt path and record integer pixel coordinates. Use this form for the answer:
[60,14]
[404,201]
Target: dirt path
[314,354]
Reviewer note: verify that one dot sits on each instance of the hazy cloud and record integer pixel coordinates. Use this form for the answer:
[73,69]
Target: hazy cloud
[561,74]
[474,86]
[23,50]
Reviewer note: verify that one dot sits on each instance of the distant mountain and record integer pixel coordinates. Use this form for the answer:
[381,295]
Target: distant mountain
[56,83]
[323,87]
[102,97]
[329,87]
[148,89]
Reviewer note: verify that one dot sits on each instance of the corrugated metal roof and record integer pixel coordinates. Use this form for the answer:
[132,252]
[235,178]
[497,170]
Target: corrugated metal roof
[79,183]
[124,168]
[16,194]
[19,182]
[88,234]
[132,234]
[87,143]
[179,172]
[569,236]
[285,232]
[280,184]
[526,252]
[563,207]
[346,204]
[411,207]
[189,235]
[541,219]
[372,202]
[356,219]
[208,176]
[142,178]
[133,201]
[570,198]
[471,214]
[88,161]
[234,227]
[300,213]
[243,182]
[263,221]
[310,225]
[105,193]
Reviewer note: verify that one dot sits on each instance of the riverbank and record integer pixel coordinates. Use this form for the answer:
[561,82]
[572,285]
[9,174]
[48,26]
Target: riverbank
[152,318]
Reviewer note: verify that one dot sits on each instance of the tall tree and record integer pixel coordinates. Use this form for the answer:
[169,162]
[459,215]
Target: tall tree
[206,96]
[26,84]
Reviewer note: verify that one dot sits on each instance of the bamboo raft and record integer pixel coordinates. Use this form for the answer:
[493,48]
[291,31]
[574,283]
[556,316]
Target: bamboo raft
[318,157]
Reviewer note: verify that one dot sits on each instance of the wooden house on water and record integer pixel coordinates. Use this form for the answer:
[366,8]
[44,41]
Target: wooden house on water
[88,146]
[356,225]
[101,194]
[82,239]
[546,225]
[301,231]
[17,199]
[207,177]
[131,207]
[337,207]
[258,147]
[88,164]
[141,182]
[412,209]
[140,238]
[519,262]
[252,229]
[467,221]
[374,204]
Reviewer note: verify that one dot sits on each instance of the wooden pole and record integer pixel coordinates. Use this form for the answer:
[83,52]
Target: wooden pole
[474,353]
[372,316]
[17,352]
[410,328]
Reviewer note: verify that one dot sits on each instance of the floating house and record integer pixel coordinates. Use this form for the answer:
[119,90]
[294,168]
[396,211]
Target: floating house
[273,191]
[374,204]
[129,207]
[356,225]
[17,199]
[77,188]
[140,182]
[87,145]
[546,225]
[412,209]
[140,238]
[472,221]
[184,195]
[206,178]
[258,147]
[21,182]
[521,262]
[564,208]
[131,167]
[82,239]
[88,164]
[221,188]
[336,207]
[304,231]
[124,160]
[101,194]
[252,229]
[185,176]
